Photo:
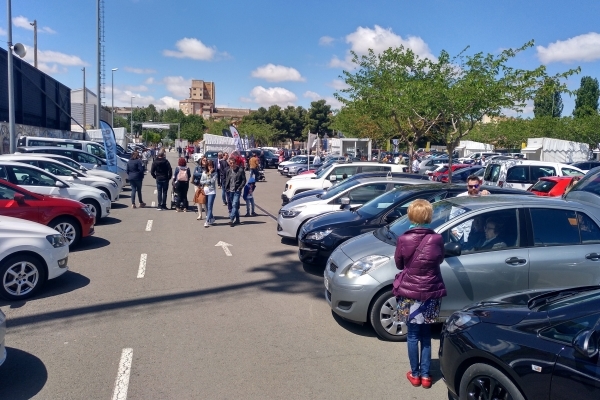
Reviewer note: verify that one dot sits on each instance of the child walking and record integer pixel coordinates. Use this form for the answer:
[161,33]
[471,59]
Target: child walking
[248,197]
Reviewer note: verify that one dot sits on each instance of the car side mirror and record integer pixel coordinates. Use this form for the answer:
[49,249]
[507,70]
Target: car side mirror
[74,175]
[332,178]
[82,168]
[586,343]
[60,184]
[452,250]
[391,217]
[19,198]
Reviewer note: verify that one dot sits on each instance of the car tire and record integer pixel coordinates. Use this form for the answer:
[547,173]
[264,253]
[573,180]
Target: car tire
[94,208]
[383,316]
[30,268]
[69,228]
[478,379]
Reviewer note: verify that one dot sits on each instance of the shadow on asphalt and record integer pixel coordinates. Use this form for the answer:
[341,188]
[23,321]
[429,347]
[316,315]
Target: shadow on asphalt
[289,242]
[116,206]
[108,221]
[358,329]
[90,243]
[22,376]
[67,282]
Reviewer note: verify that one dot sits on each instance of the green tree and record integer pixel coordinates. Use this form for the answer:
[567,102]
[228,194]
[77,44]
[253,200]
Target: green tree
[548,101]
[586,102]
[318,117]
[263,133]
[215,127]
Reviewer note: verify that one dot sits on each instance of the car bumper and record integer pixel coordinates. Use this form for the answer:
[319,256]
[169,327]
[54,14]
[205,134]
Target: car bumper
[57,261]
[450,358]
[287,227]
[312,253]
[284,199]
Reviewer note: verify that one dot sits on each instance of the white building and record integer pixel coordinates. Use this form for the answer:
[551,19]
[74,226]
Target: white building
[91,105]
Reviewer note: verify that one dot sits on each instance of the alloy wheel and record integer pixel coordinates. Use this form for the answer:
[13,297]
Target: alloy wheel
[487,388]
[67,230]
[389,318]
[20,278]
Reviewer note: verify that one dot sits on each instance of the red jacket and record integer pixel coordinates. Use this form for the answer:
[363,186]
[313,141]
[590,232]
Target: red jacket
[422,279]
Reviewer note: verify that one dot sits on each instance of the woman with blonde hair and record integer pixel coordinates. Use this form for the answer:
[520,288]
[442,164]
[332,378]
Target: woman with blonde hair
[419,287]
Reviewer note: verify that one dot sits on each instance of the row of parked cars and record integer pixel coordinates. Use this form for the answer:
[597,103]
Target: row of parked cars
[547,328]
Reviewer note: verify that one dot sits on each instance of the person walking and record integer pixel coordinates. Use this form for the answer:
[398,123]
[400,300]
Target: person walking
[234,183]
[179,151]
[254,166]
[161,171]
[209,184]
[145,157]
[263,159]
[181,184]
[199,197]
[416,165]
[224,167]
[419,287]
[248,197]
[218,168]
[135,175]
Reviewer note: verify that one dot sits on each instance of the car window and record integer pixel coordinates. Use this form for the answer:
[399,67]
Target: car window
[543,186]
[492,172]
[588,229]
[570,172]
[55,168]
[365,193]
[554,227]
[343,172]
[443,211]
[567,331]
[68,162]
[401,209]
[518,174]
[496,230]
[30,176]
[3,174]
[6,193]
[96,150]
[538,172]
[373,168]
[85,158]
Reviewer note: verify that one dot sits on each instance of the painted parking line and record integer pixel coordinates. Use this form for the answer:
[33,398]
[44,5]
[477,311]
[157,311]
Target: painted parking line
[149,225]
[122,382]
[142,268]
[155,191]
[153,204]
[266,212]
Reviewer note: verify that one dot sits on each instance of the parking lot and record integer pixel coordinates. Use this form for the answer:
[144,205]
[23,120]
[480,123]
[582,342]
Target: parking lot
[154,308]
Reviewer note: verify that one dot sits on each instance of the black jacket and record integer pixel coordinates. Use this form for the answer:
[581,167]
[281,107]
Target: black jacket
[235,180]
[161,169]
[224,167]
[135,170]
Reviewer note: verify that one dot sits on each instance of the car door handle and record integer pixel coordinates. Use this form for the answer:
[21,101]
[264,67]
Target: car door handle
[515,260]
[593,256]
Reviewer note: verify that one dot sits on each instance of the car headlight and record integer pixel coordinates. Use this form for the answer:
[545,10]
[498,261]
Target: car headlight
[366,265]
[56,240]
[292,212]
[104,196]
[319,235]
[460,321]
[113,184]
[118,178]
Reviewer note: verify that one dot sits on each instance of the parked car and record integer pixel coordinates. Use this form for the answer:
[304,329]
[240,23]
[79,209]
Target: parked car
[320,236]
[438,173]
[2,335]
[297,168]
[67,173]
[271,160]
[521,174]
[551,186]
[585,166]
[474,157]
[294,160]
[432,163]
[30,254]
[39,181]
[461,175]
[358,191]
[70,218]
[538,243]
[534,345]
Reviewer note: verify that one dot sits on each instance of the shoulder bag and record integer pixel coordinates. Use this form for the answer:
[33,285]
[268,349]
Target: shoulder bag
[399,275]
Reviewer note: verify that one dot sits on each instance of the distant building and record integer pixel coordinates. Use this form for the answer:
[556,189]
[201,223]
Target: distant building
[91,104]
[202,102]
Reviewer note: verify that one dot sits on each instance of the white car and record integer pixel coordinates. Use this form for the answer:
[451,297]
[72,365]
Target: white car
[336,172]
[294,160]
[2,335]
[30,254]
[521,174]
[197,156]
[39,181]
[67,173]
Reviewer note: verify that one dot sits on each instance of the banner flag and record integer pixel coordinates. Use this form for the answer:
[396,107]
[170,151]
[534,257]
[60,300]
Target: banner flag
[312,140]
[226,133]
[236,138]
[110,146]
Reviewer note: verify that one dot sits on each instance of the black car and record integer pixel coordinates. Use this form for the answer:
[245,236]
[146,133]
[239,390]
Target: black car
[586,165]
[461,175]
[315,246]
[271,160]
[539,344]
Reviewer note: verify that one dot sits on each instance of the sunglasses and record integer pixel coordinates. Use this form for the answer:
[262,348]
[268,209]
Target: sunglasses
[473,186]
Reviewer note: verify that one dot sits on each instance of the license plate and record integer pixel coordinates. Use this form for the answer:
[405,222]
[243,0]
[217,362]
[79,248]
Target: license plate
[326,283]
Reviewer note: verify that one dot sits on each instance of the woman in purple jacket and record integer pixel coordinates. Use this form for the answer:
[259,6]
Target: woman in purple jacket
[419,287]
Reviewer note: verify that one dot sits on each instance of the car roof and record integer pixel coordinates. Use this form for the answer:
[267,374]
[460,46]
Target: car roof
[528,201]
[516,161]
[392,179]
[29,148]
[555,178]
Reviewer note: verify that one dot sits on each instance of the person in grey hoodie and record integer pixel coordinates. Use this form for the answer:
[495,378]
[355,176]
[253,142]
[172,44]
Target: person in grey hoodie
[135,175]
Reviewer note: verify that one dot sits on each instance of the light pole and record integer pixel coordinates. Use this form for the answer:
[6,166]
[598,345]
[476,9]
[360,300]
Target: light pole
[132,97]
[112,98]
[34,24]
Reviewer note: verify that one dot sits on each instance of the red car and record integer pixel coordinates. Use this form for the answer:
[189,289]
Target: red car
[437,175]
[308,171]
[70,218]
[551,186]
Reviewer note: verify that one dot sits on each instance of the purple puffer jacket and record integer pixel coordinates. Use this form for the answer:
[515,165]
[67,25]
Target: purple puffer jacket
[422,280]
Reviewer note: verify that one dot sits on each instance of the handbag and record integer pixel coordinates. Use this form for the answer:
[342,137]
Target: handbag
[199,196]
[400,275]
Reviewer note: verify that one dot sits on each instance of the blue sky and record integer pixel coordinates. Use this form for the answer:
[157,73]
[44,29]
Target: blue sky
[265,52]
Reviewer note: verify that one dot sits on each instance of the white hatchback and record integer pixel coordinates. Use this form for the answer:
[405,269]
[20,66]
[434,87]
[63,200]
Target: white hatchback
[30,254]
[521,174]
[39,181]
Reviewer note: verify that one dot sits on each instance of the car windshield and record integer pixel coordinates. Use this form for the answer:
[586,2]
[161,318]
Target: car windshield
[570,298]
[443,211]
[380,203]
[543,186]
[322,172]
[297,159]
[337,189]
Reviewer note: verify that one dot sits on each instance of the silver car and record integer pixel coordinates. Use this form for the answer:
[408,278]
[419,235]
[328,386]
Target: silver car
[494,244]
[2,334]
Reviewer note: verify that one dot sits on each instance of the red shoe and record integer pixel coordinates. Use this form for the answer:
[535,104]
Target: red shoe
[426,382]
[415,380]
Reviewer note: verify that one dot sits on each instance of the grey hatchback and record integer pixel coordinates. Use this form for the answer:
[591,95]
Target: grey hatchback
[540,243]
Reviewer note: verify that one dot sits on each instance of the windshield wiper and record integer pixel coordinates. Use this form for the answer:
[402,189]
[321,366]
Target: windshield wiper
[553,296]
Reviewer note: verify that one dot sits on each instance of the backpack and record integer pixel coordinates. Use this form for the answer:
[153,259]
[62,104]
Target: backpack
[182,175]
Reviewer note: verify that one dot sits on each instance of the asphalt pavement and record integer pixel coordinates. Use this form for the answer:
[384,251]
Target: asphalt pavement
[155,310]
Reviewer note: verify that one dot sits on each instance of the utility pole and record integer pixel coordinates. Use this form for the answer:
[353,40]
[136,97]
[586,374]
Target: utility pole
[84,100]
[34,24]
[11,84]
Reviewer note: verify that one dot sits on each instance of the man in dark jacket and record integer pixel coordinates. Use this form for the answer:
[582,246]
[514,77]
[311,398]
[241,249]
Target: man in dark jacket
[234,184]
[223,168]
[162,172]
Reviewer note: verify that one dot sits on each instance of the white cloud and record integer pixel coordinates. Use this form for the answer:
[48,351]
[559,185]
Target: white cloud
[178,86]
[25,23]
[2,32]
[312,95]
[140,70]
[123,98]
[269,96]
[169,102]
[326,40]
[277,73]
[332,101]
[51,69]
[55,57]
[379,39]
[192,48]
[149,81]
[139,88]
[338,84]
[584,47]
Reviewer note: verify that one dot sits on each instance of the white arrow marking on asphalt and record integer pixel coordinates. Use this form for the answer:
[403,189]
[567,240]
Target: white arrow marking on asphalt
[225,247]
[122,382]
[155,191]
[142,268]
[149,225]
[153,204]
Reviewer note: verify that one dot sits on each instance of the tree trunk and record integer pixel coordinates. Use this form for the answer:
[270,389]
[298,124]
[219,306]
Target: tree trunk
[411,150]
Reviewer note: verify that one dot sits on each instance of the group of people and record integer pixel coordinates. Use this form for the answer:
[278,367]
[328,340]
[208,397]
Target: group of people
[228,174]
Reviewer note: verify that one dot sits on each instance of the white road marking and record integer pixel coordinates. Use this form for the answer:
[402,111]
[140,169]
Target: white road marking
[155,191]
[153,204]
[149,225]
[122,382]
[225,247]
[142,268]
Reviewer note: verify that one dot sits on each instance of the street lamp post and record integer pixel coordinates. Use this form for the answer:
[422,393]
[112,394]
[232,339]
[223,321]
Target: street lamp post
[34,24]
[112,98]
[132,97]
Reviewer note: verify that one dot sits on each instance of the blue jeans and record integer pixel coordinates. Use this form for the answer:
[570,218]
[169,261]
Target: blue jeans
[224,194]
[255,173]
[416,333]
[210,201]
[234,200]
[250,202]
[162,187]
[136,187]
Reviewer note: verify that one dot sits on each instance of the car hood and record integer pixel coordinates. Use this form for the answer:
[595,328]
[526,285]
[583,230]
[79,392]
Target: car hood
[305,176]
[333,220]
[365,245]
[16,227]
[303,200]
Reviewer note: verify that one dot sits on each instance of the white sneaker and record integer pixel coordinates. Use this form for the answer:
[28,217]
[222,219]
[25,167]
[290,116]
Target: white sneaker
[206,224]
